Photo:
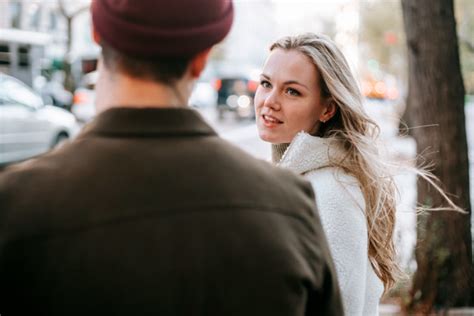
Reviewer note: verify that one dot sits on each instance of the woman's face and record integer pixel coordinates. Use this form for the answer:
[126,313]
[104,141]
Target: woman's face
[288,99]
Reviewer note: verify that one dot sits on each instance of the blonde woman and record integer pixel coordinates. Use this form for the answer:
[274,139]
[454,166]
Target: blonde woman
[309,107]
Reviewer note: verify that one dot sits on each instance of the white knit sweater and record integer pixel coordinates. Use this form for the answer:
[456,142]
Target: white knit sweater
[341,208]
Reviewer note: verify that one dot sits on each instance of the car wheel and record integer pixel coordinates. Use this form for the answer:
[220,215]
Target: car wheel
[61,139]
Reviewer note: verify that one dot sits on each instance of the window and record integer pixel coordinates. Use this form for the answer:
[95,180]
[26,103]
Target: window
[15,13]
[4,54]
[23,56]
[34,16]
[53,21]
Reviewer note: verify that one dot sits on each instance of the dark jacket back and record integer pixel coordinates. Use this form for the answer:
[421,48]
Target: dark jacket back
[149,212]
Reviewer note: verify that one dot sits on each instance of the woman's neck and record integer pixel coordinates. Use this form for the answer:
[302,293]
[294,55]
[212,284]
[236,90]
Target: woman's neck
[277,151]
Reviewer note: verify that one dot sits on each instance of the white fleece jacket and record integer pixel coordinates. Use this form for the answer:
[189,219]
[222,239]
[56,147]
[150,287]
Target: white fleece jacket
[341,208]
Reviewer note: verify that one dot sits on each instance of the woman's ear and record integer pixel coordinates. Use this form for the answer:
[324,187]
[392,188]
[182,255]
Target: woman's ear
[329,110]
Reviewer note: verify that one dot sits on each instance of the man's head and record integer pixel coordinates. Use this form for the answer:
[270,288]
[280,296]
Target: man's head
[158,39]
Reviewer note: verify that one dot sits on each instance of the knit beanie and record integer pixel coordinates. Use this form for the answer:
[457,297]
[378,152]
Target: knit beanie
[162,28]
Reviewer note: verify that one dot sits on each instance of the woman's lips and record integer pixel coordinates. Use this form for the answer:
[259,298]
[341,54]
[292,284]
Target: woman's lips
[270,121]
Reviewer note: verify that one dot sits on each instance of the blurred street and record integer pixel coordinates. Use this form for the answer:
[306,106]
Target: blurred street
[50,82]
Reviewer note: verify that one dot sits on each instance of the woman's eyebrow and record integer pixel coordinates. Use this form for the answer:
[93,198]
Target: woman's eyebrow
[286,82]
[296,82]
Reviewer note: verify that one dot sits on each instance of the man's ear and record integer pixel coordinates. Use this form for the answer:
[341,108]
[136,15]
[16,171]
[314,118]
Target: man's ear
[329,111]
[198,63]
[95,36]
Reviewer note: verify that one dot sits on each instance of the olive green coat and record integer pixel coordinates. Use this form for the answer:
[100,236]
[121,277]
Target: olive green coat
[149,212]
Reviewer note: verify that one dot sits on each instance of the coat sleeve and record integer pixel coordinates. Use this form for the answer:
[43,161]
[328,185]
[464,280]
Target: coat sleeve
[341,206]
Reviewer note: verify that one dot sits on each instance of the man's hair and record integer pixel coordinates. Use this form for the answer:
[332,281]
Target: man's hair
[163,70]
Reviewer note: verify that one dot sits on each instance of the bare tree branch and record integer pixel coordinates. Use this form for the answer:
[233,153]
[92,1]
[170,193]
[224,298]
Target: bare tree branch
[62,9]
[67,15]
[69,79]
[79,11]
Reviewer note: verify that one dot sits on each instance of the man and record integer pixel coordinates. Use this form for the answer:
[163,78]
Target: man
[148,211]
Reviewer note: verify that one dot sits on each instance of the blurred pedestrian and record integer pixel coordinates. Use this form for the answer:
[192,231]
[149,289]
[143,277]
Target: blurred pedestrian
[309,107]
[148,211]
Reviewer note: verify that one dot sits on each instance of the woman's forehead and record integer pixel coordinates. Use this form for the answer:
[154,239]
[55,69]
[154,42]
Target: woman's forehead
[287,65]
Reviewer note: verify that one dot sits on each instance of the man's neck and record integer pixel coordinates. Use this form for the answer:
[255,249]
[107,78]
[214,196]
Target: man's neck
[118,90]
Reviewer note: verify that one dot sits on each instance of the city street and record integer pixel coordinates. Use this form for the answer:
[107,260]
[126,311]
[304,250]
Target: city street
[63,63]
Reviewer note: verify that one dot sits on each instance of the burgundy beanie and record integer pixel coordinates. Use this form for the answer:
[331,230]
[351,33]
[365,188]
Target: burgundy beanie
[162,28]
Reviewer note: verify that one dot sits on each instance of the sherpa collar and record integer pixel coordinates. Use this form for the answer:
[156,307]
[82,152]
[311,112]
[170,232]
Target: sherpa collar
[306,153]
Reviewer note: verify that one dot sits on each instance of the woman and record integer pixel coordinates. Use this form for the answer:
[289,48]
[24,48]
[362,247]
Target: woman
[309,107]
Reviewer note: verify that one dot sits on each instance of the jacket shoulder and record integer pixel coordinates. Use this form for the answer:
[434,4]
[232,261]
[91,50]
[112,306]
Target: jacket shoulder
[333,184]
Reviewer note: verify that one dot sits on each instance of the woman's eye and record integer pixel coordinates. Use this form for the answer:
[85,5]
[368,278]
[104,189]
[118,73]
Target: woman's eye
[265,84]
[293,92]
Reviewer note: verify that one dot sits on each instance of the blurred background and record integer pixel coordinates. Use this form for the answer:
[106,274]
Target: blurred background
[48,73]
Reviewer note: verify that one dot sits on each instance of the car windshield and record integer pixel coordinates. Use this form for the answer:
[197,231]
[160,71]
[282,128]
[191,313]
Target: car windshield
[12,91]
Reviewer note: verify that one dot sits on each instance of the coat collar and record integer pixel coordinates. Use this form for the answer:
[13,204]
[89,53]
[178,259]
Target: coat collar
[149,121]
[306,153]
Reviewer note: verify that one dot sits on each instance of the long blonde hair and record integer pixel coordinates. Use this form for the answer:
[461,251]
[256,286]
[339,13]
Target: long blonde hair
[352,128]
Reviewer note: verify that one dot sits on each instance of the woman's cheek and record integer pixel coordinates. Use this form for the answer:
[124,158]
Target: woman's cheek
[258,99]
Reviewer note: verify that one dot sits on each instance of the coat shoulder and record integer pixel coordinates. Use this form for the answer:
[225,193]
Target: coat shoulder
[334,185]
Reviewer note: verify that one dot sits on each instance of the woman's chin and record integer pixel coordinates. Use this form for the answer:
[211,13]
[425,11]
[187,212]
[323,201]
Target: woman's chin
[269,137]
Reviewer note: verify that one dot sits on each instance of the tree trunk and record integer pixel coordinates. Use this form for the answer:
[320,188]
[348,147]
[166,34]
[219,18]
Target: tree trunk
[436,96]
[69,83]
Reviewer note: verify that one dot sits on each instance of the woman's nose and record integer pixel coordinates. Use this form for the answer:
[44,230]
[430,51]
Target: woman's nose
[272,101]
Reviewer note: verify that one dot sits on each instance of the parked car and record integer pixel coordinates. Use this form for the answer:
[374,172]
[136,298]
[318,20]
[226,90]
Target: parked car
[236,95]
[53,91]
[28,127]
